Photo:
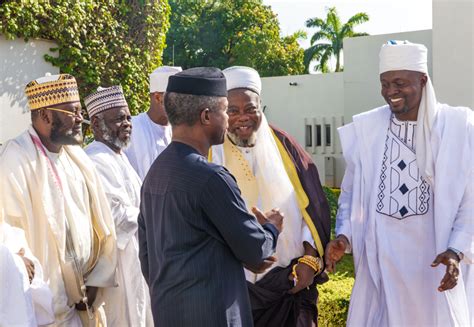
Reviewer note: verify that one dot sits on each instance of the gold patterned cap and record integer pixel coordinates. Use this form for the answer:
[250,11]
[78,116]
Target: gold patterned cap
[51,90]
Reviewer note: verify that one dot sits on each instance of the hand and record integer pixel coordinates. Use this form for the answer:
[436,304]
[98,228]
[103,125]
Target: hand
[30,266]
[267,263]
[451,261]
[305,277]
[335,251]
[274,217]
[91,293]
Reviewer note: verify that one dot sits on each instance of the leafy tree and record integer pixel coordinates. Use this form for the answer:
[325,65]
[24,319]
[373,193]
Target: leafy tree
[332,33]
[100,42]
[223,33]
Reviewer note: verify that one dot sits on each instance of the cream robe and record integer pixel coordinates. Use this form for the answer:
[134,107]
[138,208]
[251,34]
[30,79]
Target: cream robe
[363,145]
[32,200]
[129,303]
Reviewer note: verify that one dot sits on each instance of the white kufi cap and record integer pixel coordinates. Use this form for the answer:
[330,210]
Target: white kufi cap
[159,78]
[403,55]
[243,77]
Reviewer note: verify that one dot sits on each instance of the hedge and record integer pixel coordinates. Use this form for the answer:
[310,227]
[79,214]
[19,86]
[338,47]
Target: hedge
[100,42]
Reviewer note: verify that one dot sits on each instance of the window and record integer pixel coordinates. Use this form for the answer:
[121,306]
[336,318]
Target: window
[318,135]
[328,134]
[309,135]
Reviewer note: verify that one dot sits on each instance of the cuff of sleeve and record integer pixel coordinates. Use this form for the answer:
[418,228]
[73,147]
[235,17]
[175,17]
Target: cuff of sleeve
[463,243]
[347,233]
[272,230]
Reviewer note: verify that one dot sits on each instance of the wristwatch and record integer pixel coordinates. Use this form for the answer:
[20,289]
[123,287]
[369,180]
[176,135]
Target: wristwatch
[457,252]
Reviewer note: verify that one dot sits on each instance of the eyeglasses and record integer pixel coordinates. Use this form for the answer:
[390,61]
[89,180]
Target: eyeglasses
[67,112]
[78,114]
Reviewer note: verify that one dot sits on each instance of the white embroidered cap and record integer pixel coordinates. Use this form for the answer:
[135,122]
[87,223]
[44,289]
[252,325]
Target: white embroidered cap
[159,77]
[243,77]
[104,99]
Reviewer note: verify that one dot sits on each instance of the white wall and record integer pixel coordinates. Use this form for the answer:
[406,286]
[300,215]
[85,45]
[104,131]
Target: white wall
[20,62]
[453,47]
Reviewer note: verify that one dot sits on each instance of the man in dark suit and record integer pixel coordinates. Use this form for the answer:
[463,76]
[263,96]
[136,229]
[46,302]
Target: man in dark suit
[195,232]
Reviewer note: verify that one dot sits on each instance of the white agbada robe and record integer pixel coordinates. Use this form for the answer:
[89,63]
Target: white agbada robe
[394,247]
[21,303]
[147,142]
[42,194]
[129,303]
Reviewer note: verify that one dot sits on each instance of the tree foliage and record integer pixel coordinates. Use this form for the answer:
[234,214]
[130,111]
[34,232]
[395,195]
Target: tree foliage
[100,42]
[327,42]
[223,33]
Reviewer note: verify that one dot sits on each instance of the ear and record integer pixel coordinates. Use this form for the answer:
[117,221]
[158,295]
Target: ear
[423,80]
[46,116]
[205,117]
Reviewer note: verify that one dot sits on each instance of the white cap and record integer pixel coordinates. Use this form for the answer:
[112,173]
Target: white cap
[159,77]
[403,55]
[238,77]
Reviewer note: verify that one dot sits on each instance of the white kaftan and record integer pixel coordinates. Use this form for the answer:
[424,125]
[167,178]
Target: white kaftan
[397,223]
[147,142]
[129,303]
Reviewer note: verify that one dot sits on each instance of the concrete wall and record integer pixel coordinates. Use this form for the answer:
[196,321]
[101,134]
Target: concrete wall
[20,62]
[453,48]
[299,103]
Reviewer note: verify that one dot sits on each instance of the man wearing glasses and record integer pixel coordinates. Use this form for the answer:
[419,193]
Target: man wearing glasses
[51,190]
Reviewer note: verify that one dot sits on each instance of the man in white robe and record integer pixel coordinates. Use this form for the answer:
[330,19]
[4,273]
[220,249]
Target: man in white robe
[25,298]
[151,131]
[52,192]
[406,206]
[129,303]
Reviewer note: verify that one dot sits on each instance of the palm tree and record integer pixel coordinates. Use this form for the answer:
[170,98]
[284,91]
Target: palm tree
[333,32]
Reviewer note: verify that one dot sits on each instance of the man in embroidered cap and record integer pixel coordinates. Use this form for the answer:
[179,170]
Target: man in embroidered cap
[272,170]
[129,303]
[194,230]
[406,206]
[51,191]
[152,132]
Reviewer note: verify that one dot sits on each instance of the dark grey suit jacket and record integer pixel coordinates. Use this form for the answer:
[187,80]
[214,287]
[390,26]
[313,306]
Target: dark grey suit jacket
[195,233]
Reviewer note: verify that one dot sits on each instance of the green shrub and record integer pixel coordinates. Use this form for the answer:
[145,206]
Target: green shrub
[100,42]
[333,302]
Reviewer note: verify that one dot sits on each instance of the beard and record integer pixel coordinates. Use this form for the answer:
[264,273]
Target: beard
[250,142]
[61,136]
[112,139]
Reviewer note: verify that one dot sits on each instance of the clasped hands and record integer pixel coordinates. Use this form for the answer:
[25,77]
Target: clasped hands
[336,248]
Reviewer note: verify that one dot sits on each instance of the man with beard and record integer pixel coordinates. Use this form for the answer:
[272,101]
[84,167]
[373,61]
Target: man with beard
[152,131]
[51,191]
[194,230]
[407,203]
[272,170]
[129,303]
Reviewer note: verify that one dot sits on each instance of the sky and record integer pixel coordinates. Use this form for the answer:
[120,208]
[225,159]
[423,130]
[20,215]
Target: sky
[386,16]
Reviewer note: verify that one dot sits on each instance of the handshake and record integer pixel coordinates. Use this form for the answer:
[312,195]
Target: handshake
[274,217]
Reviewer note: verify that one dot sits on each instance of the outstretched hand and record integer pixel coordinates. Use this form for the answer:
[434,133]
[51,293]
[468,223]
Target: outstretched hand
[451,261]
[335,251]
[274,217]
